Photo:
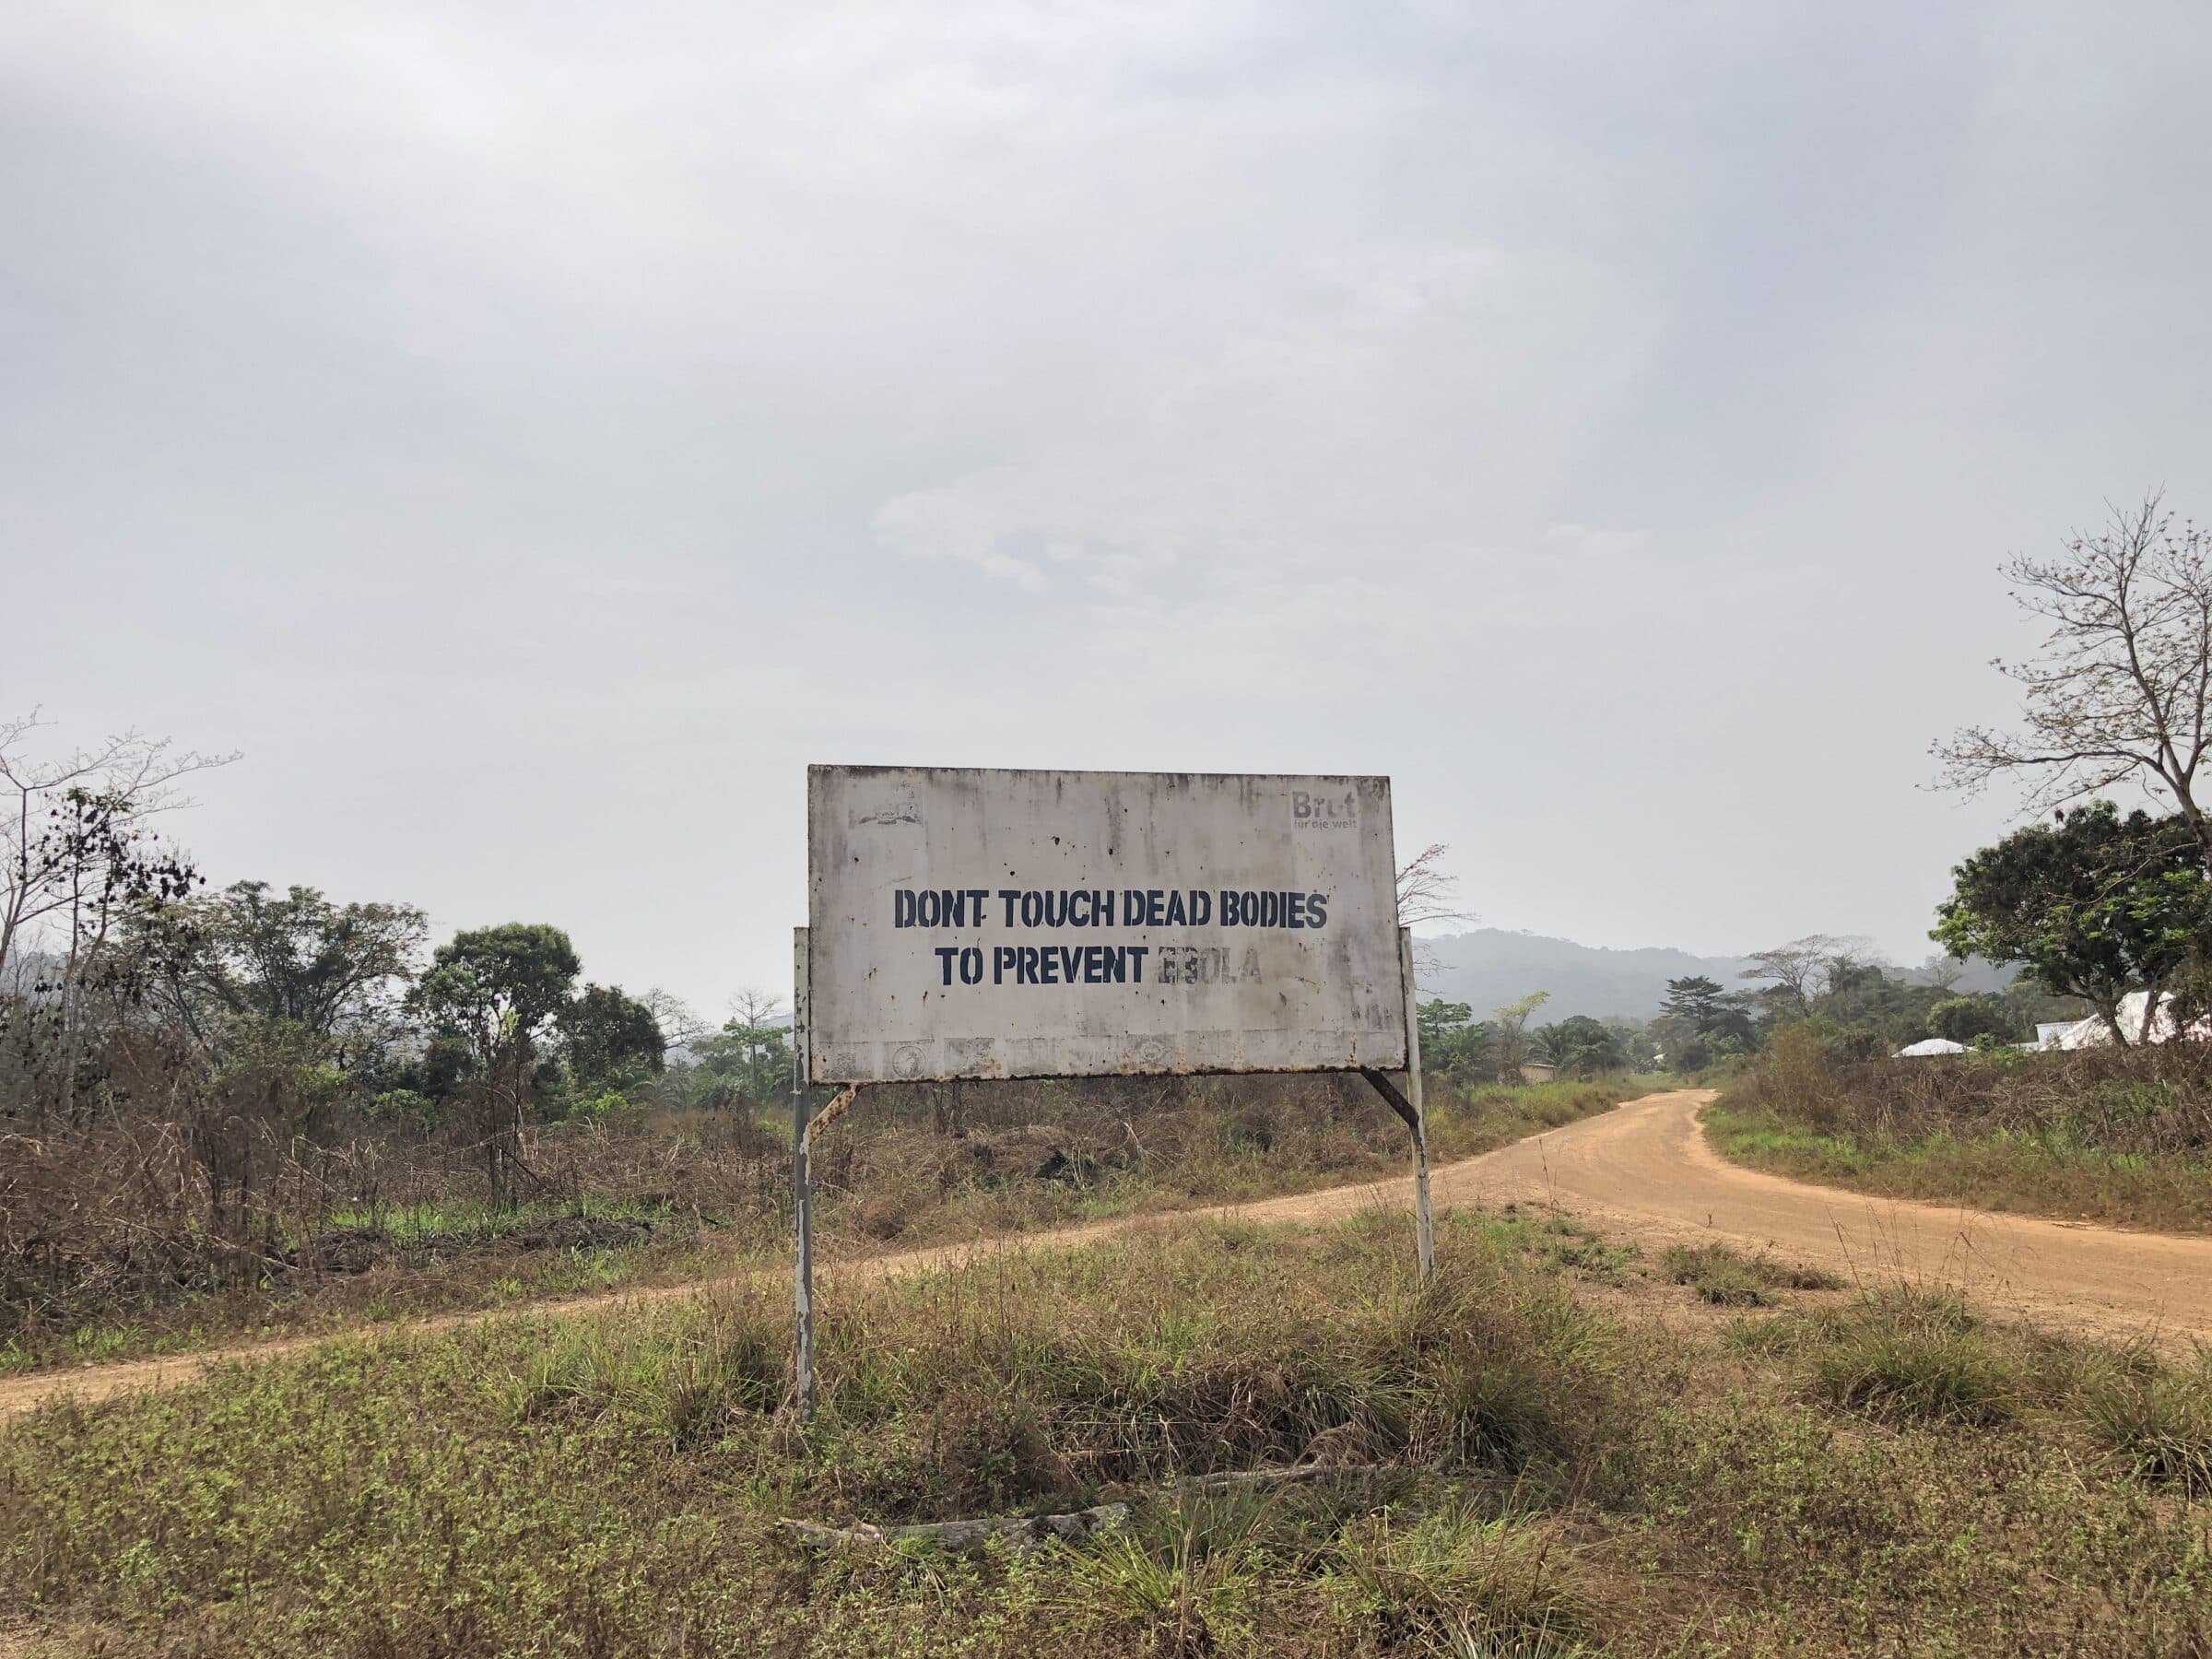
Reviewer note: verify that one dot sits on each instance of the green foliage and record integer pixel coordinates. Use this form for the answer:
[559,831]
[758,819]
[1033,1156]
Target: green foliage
[750,1054]
[608,1039]
[1580,1046]
[1965,1018]
[495,984]
[2097,904]
[1453,1043]
[327,968]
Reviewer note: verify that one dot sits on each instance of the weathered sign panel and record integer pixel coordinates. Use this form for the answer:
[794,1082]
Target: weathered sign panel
[988,924]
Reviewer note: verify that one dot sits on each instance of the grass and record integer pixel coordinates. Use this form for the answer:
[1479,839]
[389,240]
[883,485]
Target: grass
[1533,1464]
[1725,1278]
[2122,1138]
[900,1189]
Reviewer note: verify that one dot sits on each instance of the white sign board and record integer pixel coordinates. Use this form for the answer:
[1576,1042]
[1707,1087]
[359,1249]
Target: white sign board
[986,924]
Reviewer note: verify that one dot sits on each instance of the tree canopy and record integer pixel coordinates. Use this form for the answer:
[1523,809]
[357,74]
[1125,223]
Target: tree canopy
[2097,904]
[495,984]
[610,1037]
[302,959]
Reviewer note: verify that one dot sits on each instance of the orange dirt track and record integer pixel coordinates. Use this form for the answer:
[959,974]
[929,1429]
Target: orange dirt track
[1642,1171]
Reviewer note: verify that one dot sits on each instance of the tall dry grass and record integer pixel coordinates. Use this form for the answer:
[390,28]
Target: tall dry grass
[2115,1134]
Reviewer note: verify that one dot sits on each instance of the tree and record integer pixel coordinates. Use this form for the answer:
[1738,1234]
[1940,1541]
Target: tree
[1638,1046]
[1426,894]
[753,1047]
[493,993]
[1697,1003]
[2122,689]
[1453,1044]
[1579,1045]
[1801,973]
[1512,1025]
[1700,1022]
[1940,972]
[498,985]
[1963,1019]
[609,1038]
[1425,890]
[73,841]
[335,970]
[679,1022]
[79,870]
[2097,904]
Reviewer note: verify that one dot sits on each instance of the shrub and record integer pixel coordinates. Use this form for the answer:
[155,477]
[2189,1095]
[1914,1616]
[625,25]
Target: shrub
[1915,1354]
[2158,1421]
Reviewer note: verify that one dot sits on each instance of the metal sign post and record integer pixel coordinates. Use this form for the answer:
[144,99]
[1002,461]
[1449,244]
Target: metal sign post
[1412,1110]
[1424,1223]
[801,1185]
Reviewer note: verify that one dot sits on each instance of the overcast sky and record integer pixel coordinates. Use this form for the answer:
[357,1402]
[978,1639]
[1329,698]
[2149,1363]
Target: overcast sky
[532,434]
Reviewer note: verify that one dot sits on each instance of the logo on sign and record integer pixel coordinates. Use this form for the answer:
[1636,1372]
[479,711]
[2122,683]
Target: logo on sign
[1312,811]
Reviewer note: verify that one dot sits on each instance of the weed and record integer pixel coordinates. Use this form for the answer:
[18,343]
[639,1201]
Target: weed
[1914,1354]
[1453,1582]
[2159,1422]
[1725,1278]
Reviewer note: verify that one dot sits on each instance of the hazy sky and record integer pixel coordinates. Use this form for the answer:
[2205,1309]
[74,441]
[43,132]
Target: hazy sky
[532,434]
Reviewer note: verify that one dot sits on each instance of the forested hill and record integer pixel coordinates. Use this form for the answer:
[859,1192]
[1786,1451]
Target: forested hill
[1490,966]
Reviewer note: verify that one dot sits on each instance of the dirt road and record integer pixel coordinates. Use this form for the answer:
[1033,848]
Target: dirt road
[1642,1171]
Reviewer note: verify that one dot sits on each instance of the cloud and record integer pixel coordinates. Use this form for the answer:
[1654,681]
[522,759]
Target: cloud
[953,523]
[534,400]
[1585,538]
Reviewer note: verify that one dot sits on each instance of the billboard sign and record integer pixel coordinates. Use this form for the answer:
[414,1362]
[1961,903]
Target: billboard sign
[995,924]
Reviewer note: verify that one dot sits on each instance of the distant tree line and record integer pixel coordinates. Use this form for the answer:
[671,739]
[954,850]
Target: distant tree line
[128,988]
[1858,1004]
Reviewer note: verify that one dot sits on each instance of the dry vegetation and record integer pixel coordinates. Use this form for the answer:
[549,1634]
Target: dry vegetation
[1530,1465]
[181,1217]
[2119,1135]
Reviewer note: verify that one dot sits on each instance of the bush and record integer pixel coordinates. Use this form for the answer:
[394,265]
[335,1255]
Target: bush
[2118,1135]
[1917,1355]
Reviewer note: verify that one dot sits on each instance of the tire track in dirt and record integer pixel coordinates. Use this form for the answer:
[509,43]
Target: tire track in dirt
[1640,1171]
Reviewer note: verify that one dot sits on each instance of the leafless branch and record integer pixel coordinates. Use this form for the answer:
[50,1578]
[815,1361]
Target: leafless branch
[1426,890]
[2123,688]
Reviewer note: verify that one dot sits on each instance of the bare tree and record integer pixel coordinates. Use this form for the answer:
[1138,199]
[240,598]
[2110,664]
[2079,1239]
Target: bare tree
[120,782]
[1426,894]
[2123,689]
[1512,1032]
[1804,971]
[1425,890]
[754,1007]
[77,860]
[1941,972]
[678,1020]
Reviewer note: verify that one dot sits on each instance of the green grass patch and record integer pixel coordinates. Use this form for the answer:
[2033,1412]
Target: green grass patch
[1532,1473]
[2010,1134]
